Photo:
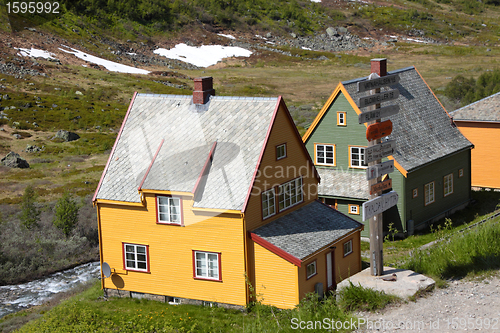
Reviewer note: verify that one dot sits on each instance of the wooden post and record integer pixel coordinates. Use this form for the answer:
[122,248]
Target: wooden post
[375,222]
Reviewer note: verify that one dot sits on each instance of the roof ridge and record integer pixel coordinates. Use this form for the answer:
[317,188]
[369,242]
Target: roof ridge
[388,73]
[473,103]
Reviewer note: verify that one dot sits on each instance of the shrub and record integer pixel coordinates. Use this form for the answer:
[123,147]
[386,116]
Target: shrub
[30,214]
[66,214]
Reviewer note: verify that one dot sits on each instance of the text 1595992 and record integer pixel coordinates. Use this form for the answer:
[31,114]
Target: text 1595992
[38,7]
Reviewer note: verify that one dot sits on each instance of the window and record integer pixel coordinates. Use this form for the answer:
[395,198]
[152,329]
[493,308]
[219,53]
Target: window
[207,265]
[136,257]
[354,209]
[357,157]
[448,184]
[429,193]
[281,151]
[311,269]
[268,207]
[415,193]
[290,194]
[341,118]
[460,173]
[325,154]
[169,210]
[348,247]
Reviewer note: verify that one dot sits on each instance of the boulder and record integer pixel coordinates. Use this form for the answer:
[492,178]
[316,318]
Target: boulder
[13,160]
[66,136]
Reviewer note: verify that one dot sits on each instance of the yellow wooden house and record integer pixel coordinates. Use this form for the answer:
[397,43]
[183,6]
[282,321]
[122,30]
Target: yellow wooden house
[479,122]
[204,196]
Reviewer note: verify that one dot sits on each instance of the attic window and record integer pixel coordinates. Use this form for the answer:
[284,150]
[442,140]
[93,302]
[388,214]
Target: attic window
[281,151]
[341,119]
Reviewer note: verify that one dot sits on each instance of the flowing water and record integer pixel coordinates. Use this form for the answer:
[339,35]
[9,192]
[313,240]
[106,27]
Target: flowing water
[14,298]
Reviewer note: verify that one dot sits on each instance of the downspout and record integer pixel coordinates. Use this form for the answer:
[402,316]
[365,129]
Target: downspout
[100,242]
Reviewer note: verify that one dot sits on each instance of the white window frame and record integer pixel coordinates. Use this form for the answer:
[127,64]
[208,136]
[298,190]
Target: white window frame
[347,247]
[322,148]
[359,160]
[133,257]
[280,155]
[290,194]
[430,193]
[202,261]
[448,184]
[311,270]
[167,214]
[356,209]
[341,121]
[268,203]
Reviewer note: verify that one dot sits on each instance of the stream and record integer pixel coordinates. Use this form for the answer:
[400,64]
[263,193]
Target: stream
[14,298]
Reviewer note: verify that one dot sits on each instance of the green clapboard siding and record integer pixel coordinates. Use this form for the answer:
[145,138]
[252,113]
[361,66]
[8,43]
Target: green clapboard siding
[327,131]
[416,209]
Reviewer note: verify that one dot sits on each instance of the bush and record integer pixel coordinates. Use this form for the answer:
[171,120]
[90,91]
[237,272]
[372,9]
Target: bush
[466,91]
[30,214]
[66,214]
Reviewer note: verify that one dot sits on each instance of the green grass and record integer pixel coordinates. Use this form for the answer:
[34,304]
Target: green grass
[470,253]
[359,298]
[90,312]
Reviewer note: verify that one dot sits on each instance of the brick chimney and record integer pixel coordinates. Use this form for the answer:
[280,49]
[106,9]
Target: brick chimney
[203,87]
[379,66]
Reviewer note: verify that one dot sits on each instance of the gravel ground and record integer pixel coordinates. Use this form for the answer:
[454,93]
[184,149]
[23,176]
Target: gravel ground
[462,306]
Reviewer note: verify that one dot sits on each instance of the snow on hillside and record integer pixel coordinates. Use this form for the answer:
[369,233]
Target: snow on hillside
[109,65]
[203,56]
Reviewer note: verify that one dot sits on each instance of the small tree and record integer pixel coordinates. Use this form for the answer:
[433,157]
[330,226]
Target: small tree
[30,214]
[66,215]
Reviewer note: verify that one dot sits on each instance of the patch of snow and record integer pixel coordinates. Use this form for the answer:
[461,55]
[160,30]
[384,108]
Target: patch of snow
[203,56]
[109,65]
[306,48]
[367,38]
[35,53]
[268,42]
[227,36]
[315,0]
[131,53]
[416,40]
[261,37]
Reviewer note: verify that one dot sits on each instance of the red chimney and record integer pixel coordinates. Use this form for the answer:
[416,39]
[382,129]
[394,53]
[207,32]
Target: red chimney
[203,87]
[379,66]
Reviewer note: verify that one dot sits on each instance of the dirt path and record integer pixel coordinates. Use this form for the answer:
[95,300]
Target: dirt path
[463,306]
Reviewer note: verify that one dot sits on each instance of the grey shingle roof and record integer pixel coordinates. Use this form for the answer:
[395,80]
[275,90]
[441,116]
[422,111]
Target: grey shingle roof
[486,109]
[422,129]
[239,125]
[307,230]
[343,183]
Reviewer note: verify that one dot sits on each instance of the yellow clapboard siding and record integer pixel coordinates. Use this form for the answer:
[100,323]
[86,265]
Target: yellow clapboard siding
[170,251]
[275,279]
[486,152]
[350,264]
[274,172]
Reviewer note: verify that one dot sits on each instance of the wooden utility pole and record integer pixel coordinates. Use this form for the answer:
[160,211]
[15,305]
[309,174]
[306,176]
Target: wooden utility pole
[376,222]
[378,203]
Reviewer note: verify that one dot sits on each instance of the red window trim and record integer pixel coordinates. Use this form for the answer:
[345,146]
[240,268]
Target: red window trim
[158,213]
[219,254]
[276,150]
[147,258]
[310,277]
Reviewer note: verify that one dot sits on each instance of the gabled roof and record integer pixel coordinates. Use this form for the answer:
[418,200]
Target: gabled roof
[486,109]
[304,231]
[231,130]
[423,130]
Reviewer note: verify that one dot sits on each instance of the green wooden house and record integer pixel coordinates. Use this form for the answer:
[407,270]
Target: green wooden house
[432,160]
